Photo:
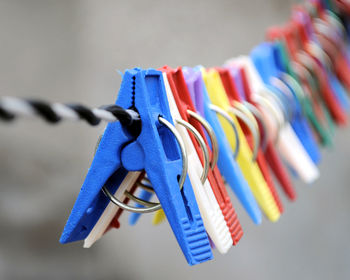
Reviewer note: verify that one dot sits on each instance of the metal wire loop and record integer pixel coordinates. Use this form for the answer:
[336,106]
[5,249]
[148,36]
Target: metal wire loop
[257,114]
[225,115]
[212,136]
[253,127]
[203,147]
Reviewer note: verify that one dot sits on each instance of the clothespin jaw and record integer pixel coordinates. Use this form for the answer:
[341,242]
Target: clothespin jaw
[154,150]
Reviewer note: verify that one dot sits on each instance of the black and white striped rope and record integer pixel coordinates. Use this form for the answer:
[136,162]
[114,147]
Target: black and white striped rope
[12,107]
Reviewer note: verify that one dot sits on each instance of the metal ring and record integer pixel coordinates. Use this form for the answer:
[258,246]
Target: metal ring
[156,206]
[253,130]
[139,200]
[212,136]
[266,103]
[203,147]
[145,187]
[257,114]
[224,114]
[286,94]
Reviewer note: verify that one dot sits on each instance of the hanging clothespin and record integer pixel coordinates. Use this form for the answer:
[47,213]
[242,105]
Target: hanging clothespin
[236,102]
[249,168]
[314,107]
[330,35]
[189,114]
[226,160]
[153,148]
[270,153]
[306,35]
[283,135]
[264,57]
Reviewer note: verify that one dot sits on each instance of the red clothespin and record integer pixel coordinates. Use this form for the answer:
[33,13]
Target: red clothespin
[295,31]
[343,6]
[271,154]
[233,96]
[184,103]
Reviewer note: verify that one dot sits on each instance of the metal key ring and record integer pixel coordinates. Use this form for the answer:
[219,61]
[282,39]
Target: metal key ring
[201,142]
[155,206]
[212,136]
[257,114]
[224,114]
[241,113]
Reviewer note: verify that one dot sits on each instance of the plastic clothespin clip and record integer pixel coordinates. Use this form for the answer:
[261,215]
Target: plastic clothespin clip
[327,92]
[308,96]
[344,7]
[213,218]
[239,77]
[332,53]
[264,58]
[284,137]
[270,152]
[215,182]
[292,85]
[160,217]
[226,161]
[235,99]
[310,107]
[282,77]
[249,168]
[337,62]
[154,149]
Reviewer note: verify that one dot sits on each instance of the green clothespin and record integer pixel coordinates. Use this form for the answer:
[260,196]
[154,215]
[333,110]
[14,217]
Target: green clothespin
[305,101]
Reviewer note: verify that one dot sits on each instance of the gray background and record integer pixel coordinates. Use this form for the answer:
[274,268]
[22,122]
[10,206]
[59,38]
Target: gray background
[69,51]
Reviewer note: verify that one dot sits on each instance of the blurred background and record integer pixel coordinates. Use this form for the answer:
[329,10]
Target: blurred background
[70,51]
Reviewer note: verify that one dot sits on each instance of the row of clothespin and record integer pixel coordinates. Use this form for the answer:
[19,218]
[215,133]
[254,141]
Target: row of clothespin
[203,130]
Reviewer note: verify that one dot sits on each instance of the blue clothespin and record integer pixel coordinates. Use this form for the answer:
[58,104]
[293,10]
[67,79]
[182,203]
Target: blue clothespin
[226,162]
[339,91]
[134,217]
[268,63]
[154,150]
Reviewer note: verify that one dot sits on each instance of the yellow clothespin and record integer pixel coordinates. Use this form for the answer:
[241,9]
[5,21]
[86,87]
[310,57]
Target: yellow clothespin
[158,217]
[250,169]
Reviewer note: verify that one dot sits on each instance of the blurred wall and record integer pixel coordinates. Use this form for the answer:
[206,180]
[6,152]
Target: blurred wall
[70,51]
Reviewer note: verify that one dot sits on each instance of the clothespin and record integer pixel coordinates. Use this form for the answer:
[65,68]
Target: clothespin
[213,218]
[328,34]
[270,153]
[249,168]
[152,148]
[328,94]
[284,137]
[309,107]
[264,58]
[333,47]
[159,217]
[226,161]
[236,103]
[186,110]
